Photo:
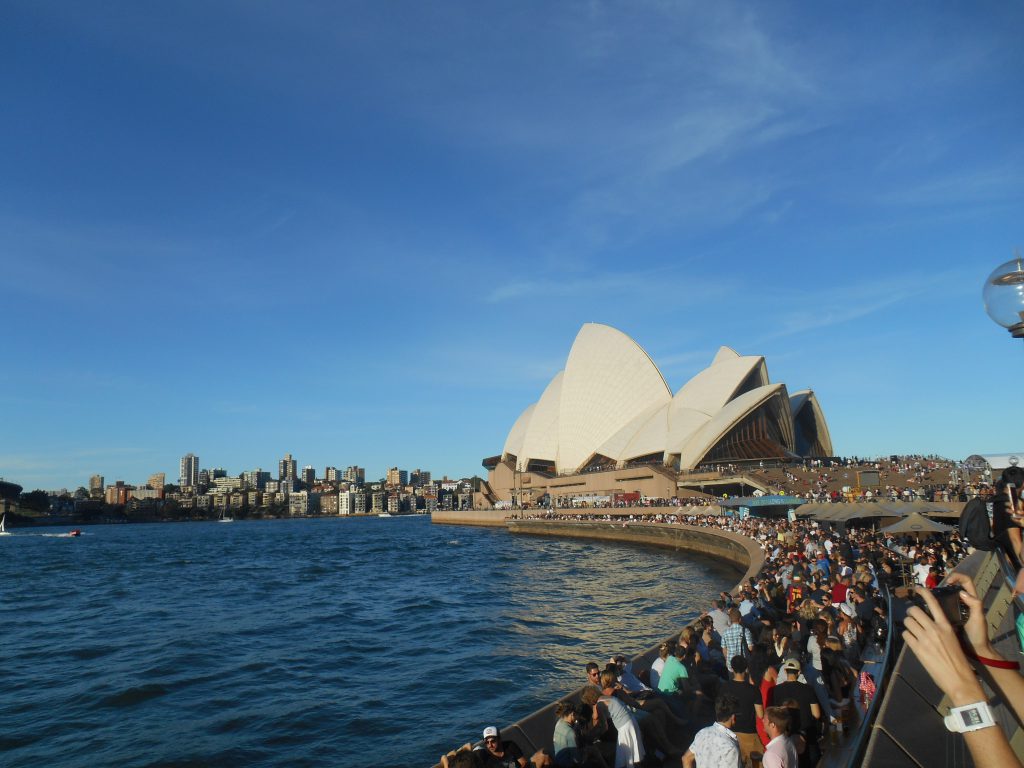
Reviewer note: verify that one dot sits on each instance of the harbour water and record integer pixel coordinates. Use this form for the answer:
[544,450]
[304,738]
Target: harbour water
[333,642]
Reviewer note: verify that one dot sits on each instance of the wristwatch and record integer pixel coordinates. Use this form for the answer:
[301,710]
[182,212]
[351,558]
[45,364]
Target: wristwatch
[970,717]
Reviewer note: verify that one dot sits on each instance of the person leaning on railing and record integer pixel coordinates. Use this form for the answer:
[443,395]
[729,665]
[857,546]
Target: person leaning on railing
[937,646]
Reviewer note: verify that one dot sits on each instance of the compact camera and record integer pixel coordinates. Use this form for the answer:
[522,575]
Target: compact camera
[949,599]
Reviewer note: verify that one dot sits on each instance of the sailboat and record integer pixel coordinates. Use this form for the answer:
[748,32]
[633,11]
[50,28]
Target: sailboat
[3,525]
[224,518]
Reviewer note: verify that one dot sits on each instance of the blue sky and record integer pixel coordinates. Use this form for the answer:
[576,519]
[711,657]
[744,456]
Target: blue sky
[367,233]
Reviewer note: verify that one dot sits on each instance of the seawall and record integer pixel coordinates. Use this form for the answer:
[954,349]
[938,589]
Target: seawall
[739,551]
[488,517]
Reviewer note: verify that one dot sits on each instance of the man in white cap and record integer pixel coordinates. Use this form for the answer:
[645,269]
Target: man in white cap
[496,753]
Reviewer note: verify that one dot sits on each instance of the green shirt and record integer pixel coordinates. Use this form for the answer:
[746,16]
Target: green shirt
[671,674]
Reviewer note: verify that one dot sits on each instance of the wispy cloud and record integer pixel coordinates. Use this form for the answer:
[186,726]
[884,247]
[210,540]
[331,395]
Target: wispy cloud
[655,285]
[831,306]
[968,186]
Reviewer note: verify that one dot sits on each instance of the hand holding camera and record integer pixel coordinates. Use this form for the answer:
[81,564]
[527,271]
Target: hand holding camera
[956,612]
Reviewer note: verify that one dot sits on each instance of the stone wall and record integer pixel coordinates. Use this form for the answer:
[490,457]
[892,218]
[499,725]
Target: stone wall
[739,551]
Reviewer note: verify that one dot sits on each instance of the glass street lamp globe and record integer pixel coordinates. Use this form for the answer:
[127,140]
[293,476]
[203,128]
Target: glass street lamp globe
[1004,296]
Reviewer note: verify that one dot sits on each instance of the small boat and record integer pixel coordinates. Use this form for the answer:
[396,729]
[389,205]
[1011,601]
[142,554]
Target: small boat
[385,514]
[75,532]
[3,525]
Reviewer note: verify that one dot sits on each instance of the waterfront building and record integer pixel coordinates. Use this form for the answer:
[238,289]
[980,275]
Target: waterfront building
[96,486]
[254,499]
[188,477]
[346,502]
[118,493]
[237,500]
[204,501]
[377,500]
[286,468]
[329,503]
[146,493]
[303,503]
[609,423]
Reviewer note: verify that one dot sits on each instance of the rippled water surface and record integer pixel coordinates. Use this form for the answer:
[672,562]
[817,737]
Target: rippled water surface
[335,642]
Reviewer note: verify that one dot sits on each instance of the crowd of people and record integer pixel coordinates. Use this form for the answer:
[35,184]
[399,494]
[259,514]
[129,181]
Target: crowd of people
[899,478]
[776,664]
[770,673]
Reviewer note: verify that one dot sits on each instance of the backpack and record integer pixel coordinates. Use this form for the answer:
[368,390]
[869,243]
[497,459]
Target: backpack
[975,527]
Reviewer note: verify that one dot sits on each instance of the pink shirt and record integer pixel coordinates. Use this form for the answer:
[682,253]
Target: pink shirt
[780,753]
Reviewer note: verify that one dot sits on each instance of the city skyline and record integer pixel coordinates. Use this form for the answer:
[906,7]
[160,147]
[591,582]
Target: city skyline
[226,229]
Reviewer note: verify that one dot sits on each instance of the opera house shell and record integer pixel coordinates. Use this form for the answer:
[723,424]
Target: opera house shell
[611,408]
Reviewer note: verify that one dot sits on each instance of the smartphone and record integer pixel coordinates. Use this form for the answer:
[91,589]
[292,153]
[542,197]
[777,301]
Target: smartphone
[1012,498]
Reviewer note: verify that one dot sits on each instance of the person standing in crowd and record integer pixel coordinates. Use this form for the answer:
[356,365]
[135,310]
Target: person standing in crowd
[807,703]
[749,709]
[780,751]
[716,746]
[736,639]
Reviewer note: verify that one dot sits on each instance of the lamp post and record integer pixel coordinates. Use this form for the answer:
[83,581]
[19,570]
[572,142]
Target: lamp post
[1003,295]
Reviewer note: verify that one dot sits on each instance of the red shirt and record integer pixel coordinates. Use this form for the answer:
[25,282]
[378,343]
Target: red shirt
[839,593]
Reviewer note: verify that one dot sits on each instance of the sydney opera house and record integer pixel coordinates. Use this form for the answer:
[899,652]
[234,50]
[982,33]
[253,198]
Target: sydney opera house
[608,425]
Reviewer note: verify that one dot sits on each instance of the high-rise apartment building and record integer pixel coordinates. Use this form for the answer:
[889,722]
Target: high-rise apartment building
[157,480]
[355,475]
[256,479]
[96,486]
[419,478]
[188,477]
[286,468]
[396,477]
[332,475]
[308,475]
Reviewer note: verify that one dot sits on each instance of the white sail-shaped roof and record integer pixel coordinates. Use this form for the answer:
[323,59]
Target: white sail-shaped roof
[724,353]
[609,381]
[683,424]
[514,441]
[717,384]
[612,400]
[805,398]
[541,439]
[734,412]
[617,447]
